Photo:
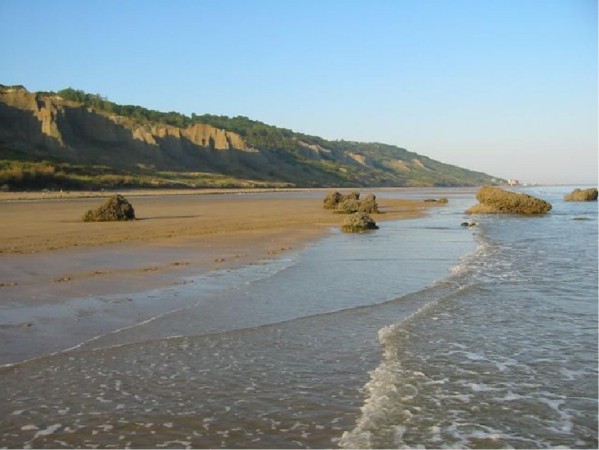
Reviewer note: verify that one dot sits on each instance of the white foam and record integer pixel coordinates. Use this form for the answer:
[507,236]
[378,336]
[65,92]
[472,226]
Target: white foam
[572,374]
[398,432]
[48,431]
[474,356]
[171,444]
[481,387]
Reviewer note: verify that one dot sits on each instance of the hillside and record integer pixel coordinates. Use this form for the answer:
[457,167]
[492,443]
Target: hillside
[78,140]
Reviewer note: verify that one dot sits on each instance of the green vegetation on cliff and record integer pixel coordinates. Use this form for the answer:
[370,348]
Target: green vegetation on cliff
[75,139]
[257,134]
[138,113]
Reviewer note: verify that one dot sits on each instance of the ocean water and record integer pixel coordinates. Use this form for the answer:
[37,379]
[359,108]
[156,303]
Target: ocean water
[421,334]
[508,360]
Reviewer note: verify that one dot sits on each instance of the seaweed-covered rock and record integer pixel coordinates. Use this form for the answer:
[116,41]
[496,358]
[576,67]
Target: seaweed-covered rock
[369,205]
[350,203]
[582,195]
[332,200]
[116,208]
[348,206]
[358,223]
[497,201]
[434,200]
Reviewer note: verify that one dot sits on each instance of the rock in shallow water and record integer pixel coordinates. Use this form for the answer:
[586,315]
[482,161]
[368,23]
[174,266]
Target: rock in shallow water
[582,195]
[494,200]
[358,223]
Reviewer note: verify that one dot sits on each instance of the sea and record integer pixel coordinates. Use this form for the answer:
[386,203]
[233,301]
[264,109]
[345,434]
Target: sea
[422,334]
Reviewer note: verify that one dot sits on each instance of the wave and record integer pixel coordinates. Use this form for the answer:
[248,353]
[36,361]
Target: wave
[387,389]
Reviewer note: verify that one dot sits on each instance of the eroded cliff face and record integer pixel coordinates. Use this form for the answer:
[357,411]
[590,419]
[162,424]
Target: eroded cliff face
[208,136]
[46,127]
[44,109]
[58,117]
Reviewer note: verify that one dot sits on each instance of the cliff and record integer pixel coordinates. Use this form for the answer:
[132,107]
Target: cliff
[61,123]
[92,131]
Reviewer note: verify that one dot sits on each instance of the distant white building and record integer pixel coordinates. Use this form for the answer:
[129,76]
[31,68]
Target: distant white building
[513,182]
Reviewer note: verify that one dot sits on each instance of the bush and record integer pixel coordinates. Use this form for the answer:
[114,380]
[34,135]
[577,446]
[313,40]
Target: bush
[116,208]
[358,223]
[28,175]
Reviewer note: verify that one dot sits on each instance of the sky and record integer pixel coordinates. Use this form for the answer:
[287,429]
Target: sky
[506,87]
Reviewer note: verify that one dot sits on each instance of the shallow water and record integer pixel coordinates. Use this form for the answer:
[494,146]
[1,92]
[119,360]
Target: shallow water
[386,339]
[507,361]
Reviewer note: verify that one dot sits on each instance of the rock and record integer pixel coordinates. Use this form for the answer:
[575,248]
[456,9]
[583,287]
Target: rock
[469,224]
[114,209]
[348,206]
[352,195]
[497,201]
[369,205]
[332,200]
[442,200]
[350,203]
[580,195]
[358,223]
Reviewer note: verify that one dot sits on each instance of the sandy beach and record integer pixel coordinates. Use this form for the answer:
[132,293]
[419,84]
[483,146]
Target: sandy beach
[34,224]
[49,256]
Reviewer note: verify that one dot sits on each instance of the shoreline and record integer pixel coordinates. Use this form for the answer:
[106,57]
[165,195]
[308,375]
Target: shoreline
[263,340]
[62,194]
[55,264]
[224,232]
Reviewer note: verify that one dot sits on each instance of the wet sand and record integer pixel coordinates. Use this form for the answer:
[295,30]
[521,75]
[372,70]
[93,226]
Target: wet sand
[242,226]
[50,257]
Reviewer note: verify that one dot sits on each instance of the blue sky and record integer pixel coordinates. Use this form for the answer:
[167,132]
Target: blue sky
[505,87]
